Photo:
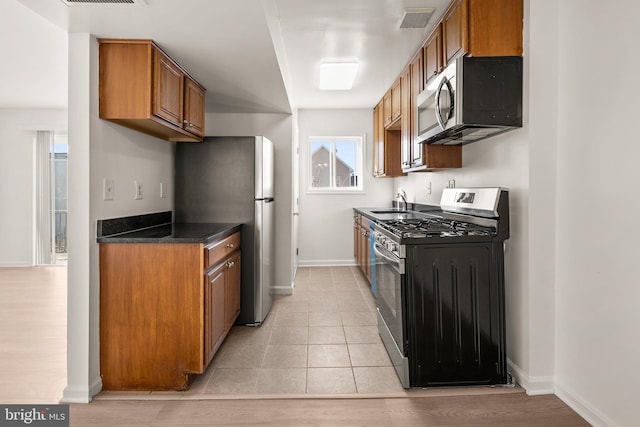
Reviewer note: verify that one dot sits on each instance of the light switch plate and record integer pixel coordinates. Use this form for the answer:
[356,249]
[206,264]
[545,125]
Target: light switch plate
[138,190]
[108,189]
[163,190]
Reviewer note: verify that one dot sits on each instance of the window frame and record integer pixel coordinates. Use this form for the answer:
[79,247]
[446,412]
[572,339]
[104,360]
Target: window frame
[333,189]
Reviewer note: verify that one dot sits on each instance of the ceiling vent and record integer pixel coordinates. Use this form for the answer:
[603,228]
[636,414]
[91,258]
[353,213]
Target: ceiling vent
[77,3]
[416,18]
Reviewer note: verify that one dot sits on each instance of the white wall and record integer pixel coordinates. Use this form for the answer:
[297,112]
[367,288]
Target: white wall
[279,129]
[99,149]
[326,220]
[597,287]
[17,143]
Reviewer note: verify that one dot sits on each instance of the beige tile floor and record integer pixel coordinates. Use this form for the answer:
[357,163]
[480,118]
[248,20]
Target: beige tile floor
[323,339]
[319,342]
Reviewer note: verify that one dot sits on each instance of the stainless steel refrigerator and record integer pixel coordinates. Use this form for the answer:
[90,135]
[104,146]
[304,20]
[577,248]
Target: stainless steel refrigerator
[231,180]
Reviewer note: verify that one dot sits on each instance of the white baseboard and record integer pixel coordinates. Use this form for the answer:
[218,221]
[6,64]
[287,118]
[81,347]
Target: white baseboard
[585,409]
[15,264]
[534,386]
[81,394]
[283,290]
[326,263]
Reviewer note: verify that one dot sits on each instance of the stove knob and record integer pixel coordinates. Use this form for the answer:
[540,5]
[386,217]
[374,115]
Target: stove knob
[391,246]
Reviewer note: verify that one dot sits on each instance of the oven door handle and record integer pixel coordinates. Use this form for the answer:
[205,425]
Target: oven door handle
[397,263]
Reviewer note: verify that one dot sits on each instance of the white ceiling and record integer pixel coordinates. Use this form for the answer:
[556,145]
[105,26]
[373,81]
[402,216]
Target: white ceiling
[251,55]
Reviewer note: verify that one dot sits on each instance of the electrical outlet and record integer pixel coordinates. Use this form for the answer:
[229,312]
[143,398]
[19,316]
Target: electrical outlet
[429,188]
[108,189]
[138,190]
[163,190]
[452,183]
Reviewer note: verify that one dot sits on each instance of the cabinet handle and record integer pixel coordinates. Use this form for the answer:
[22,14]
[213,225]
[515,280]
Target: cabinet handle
[231,264]
[230,246]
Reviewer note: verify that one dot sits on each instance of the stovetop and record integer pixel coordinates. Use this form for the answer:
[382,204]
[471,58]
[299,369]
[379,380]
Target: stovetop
[435,228]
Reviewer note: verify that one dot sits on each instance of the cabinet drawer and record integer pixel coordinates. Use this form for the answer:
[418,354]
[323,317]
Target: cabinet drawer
[220,249]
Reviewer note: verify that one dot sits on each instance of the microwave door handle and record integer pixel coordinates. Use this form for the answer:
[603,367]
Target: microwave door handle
[438,110]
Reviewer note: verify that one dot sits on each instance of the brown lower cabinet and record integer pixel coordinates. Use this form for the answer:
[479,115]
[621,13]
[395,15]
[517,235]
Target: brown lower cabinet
[361,248]
[222,289]
[165,309]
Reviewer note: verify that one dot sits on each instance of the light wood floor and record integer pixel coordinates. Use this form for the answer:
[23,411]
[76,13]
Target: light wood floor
[515,409]
[33,334]
[33,370]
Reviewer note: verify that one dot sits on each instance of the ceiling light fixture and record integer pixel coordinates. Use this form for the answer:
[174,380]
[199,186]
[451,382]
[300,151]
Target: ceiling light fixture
[337,75]
[416,17]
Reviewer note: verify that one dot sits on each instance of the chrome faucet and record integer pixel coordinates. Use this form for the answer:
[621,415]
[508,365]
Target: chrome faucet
[401,194]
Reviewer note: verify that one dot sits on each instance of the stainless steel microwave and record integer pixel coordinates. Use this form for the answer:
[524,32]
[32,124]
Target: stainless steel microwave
[472,99]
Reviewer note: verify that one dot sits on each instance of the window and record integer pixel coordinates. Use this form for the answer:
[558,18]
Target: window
[335,164]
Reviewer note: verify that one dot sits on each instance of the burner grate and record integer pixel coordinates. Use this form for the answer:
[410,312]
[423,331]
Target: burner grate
[435,227]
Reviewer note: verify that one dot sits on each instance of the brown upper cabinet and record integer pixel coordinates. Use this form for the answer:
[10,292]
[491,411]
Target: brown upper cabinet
[193,107]
[391,106]
[142,88]
[432,51]
[482,28]
[386,146]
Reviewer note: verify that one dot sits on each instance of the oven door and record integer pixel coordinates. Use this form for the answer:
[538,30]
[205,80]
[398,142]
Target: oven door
[390,281]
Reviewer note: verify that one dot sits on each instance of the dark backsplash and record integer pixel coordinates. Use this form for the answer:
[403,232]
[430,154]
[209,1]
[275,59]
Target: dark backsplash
[110,227]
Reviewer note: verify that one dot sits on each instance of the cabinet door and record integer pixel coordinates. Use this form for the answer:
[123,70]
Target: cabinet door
[417,85]
[396,97]
[405,119]
[455,29]
[386,108]
[232,291]
[433,55]
[366,254]
[214,318]
[193,107]
[168,89]
[362,260]
[378,141]
[356,240]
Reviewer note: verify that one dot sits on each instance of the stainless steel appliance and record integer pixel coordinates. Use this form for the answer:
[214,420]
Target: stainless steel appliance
[231,179]
[471,99]
[440,280]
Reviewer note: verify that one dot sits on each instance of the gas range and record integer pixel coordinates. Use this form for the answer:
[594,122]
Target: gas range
[439,279]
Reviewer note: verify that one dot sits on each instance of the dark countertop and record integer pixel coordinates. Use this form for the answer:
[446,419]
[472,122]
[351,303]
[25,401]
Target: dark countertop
[175,233]
[158,227]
